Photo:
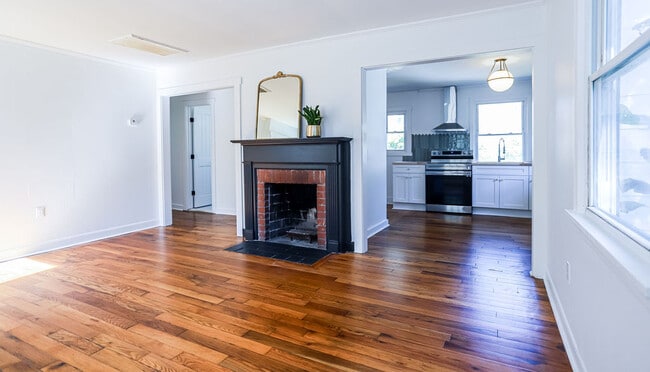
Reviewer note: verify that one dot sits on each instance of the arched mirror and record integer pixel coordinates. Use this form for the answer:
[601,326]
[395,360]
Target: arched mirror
[279,98]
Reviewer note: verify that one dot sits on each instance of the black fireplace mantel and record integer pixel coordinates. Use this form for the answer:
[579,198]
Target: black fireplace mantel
[331,154]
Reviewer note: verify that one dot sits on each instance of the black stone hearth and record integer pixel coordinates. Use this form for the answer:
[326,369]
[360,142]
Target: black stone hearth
[331,154]
[291,253]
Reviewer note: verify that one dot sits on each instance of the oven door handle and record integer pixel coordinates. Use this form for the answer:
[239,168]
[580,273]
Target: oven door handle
[448,173]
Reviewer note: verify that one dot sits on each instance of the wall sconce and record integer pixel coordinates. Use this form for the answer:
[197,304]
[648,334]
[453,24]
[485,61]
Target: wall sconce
[500,79]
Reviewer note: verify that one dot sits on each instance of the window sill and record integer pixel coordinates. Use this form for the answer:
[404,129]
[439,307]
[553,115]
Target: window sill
[625,255]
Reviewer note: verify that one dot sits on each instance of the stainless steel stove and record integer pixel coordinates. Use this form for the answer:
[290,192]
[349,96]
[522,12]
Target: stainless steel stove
[449,181]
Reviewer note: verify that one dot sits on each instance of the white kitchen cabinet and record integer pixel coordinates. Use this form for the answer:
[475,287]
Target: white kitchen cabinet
[409,186]
[485,191]
[501,187]
[530,189]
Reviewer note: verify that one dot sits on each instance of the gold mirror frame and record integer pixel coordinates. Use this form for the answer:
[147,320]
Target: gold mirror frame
[277,116]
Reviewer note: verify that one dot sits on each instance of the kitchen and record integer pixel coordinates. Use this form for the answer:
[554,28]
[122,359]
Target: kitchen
[454,144]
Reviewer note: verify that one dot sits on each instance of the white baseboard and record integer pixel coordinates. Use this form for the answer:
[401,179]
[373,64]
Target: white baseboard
[569,341]
[377,228]
[178,207]
[226,211]
[70,241]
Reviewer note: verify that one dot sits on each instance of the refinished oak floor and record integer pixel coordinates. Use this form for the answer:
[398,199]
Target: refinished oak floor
[434,292]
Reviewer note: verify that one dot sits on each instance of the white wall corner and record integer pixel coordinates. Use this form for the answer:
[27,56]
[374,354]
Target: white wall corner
[377,228]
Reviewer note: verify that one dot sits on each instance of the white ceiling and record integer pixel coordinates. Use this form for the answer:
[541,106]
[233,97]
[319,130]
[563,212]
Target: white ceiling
[469,70]
[209,28]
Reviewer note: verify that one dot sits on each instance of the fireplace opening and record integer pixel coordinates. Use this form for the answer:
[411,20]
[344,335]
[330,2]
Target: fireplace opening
[291,214]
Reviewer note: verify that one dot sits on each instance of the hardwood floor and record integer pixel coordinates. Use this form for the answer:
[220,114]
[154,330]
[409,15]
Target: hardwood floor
[435,292]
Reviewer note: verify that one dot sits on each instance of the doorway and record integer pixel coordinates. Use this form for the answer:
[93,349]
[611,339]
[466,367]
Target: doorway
[226,157]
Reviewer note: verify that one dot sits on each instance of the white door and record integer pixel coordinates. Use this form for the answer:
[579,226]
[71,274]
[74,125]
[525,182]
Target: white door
[201,127]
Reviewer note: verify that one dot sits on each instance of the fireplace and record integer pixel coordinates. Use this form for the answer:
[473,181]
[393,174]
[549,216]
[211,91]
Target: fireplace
[297,191]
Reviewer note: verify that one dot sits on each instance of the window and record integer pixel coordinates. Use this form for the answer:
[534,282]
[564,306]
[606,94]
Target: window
[500,131]
[396,132]
[620,132]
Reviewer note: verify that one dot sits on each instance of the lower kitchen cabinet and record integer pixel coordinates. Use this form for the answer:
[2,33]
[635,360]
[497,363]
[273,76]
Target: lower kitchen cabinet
[409,187]
[501,187]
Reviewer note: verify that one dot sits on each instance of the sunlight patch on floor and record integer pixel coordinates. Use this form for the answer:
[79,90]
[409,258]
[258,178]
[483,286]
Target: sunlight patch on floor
[21,267]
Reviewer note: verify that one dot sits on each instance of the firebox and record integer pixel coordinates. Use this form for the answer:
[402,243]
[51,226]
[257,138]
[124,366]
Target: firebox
[290,211]
[291,206]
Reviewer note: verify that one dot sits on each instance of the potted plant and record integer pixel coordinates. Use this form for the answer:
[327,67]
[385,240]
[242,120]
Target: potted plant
[313,118]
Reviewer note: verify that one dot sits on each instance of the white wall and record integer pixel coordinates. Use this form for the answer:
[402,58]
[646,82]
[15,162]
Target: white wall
[223,163]
[426,107]
[224,152]
[66,145]
[331,72]
[374,151]
[603,314]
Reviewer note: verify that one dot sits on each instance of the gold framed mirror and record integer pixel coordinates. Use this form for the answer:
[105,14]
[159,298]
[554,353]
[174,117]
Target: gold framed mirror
[279,98]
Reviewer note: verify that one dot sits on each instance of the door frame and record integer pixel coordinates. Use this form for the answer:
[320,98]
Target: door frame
[164,137]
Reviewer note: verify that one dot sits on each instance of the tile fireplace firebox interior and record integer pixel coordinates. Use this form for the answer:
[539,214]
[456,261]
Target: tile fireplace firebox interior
[297,191]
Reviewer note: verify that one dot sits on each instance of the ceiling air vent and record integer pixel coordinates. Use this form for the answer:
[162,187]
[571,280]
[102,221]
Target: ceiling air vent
[146,45]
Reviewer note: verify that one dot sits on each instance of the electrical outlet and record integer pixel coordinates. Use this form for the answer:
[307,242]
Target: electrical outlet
[40,211]
[568,271]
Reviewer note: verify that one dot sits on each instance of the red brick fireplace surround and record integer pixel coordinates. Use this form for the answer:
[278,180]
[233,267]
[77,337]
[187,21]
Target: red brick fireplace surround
[293,176]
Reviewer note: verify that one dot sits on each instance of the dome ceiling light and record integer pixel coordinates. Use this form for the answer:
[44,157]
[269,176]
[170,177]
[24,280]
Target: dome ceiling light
[500,79]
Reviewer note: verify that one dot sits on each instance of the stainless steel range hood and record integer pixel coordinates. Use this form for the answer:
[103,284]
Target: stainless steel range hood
[449,109]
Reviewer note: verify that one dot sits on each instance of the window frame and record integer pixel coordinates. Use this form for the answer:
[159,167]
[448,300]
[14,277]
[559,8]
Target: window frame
[407,131]
[600,68]
[525,124]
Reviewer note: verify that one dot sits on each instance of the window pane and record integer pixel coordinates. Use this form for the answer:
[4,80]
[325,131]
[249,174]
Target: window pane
[395,141]
[621,158]
[488,148]
[395,123]
[625,21]
[500,118]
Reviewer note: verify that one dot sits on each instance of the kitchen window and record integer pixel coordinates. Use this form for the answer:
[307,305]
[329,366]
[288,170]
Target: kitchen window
[397,132]
[620,128]
[500,131]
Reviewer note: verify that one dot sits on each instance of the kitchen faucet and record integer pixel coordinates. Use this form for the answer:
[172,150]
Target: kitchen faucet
[499,151]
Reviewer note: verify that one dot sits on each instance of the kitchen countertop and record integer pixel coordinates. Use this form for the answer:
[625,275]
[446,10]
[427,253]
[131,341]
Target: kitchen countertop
[410,162]
[503,163]
[485,163]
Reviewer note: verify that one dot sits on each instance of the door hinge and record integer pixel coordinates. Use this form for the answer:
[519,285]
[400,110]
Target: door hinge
[193,192]
[192,156]
[191,120]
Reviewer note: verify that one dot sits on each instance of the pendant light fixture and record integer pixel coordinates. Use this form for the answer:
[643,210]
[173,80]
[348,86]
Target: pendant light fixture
[500,79]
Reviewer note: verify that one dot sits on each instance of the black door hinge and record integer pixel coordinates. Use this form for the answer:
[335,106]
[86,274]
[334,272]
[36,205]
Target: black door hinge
[192,156]
[193,192]
[191,120]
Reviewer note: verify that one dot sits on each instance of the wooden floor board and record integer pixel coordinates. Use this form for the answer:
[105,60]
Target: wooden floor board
[434,292]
